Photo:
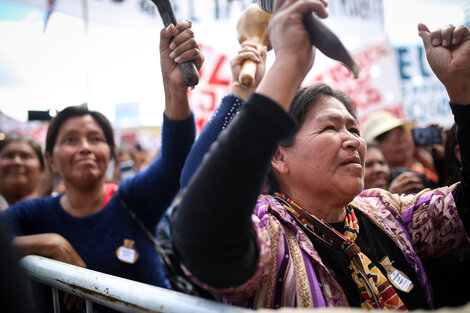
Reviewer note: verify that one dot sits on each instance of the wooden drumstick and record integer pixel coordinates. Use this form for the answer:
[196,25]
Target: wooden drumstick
[252,25]
[188,69]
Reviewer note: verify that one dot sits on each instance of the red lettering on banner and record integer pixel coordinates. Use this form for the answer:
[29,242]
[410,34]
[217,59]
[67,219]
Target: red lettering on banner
[200,123]
[214,79]
[362,90]
[339,73]
[396,110]
[205,102]
[201,72]
[213,85]
[370,56]
[211,104]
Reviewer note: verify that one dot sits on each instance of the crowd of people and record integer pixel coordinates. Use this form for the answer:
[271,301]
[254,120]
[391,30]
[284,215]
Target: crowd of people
[284,199]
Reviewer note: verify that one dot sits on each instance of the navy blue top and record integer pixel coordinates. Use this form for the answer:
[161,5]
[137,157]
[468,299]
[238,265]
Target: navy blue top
[220,119]
[96,237]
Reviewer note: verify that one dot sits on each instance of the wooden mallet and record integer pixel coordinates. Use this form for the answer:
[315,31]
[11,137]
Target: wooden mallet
[252,25]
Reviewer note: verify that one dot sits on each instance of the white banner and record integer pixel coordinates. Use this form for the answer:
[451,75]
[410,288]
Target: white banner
[378,85]
[425,98]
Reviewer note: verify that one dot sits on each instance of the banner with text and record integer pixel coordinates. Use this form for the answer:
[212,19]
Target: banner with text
[378,85]
[425,98]
[214,83]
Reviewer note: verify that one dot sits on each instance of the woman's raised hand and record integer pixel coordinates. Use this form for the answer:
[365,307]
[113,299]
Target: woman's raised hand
[448,53]
[293,49]
[177,45]
[249,51]
[181,48]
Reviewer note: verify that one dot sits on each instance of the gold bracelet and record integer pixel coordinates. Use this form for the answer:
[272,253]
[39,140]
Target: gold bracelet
[238,84]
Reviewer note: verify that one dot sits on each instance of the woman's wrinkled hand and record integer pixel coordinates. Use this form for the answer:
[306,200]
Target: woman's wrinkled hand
[249,51]
[448,53]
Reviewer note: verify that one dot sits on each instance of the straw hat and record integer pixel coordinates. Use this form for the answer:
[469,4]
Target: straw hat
[380,122]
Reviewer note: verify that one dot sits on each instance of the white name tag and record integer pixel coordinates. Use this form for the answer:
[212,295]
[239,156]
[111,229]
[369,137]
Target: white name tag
[399,280]
[126,255]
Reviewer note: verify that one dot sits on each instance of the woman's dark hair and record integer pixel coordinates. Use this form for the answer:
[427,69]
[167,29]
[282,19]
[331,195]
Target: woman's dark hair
[305,99]
[74,111]
[31,142]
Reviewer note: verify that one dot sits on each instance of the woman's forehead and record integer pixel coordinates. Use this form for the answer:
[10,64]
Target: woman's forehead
[82,123]
[329,109]
[18,145]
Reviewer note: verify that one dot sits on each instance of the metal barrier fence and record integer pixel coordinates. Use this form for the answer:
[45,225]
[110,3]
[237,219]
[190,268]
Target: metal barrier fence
[114,292]
[130,296]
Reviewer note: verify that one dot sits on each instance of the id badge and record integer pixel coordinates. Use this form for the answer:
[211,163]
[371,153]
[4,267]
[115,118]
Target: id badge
[127,253]
[397,278]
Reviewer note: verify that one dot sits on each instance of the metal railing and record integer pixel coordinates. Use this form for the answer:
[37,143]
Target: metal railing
[114,292]
[130,296]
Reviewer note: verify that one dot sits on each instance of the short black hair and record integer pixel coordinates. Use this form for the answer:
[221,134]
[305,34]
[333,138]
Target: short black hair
[31,142]
[74,111]
[305,99]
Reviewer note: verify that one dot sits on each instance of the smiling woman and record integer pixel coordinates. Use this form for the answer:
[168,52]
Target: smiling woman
[21,166]
[80,144]
[87,226]
[92,224]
